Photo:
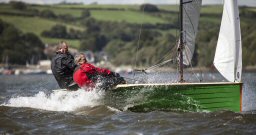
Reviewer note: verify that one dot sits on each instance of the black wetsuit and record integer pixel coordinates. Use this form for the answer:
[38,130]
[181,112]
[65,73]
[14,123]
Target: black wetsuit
[63,67]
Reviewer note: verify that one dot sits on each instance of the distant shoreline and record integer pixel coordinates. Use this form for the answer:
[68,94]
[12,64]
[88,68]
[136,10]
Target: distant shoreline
[249,3]
[129,68]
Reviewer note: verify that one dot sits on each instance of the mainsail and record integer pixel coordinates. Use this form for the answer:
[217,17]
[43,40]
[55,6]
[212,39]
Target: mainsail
[191,14]
[228,55]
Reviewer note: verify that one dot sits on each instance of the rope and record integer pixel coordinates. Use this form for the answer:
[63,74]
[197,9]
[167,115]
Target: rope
[138,43]
[167,54]
[154,66]
[158,65]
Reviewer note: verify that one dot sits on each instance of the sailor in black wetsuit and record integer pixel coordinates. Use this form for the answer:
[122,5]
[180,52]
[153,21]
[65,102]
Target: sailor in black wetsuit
[63,66]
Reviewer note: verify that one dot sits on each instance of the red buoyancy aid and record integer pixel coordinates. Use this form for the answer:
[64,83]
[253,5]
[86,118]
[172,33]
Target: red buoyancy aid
[82,75]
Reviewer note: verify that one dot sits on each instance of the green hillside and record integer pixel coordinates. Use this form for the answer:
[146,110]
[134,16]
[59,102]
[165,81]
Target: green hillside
[118,29]
[125,7]
[34,24]
[127,16]
[37,25]
[60,10]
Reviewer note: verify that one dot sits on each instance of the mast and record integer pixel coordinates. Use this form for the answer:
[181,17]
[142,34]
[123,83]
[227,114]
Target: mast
[181,44]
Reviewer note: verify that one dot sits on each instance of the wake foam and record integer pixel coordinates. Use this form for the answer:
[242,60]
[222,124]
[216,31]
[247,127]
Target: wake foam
[59,100]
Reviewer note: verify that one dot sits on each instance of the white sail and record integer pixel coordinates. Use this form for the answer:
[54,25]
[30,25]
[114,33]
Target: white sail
[191,14]
[228,55]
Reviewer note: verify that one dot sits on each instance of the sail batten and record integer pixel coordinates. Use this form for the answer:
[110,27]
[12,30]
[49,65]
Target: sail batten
[228,55]
[191,14]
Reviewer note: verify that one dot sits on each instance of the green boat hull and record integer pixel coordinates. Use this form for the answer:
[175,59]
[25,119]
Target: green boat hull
[179,96]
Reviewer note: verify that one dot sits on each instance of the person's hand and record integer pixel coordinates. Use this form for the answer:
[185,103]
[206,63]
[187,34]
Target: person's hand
[122,80]
[113,74]
[116,74]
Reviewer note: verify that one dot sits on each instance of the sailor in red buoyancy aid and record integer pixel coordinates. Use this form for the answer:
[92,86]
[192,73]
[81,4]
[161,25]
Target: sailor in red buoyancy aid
[87,74]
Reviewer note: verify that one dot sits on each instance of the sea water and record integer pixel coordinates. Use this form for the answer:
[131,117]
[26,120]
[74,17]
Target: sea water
[30,104]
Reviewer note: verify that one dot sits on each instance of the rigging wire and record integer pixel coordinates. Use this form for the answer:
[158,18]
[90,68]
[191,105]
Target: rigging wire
[138,43]
[167,54]
[157,64]
[160,64]
[139,37]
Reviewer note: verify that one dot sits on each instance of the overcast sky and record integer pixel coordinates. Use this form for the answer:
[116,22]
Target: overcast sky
[241,2]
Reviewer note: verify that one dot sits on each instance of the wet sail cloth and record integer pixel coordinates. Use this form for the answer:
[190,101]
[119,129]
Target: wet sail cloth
[191,14]
[228,55]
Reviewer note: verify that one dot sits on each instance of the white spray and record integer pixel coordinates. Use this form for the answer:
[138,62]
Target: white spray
[59,100]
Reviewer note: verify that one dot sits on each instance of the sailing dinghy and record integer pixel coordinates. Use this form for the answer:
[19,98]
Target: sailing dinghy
[211,96]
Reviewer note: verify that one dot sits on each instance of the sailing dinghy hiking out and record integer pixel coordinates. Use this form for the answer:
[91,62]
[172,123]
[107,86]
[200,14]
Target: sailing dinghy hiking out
[210,96]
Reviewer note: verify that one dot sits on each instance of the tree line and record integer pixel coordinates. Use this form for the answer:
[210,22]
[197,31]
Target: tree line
[19,48]
[127,43]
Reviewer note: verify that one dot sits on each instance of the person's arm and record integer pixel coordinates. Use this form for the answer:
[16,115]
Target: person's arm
[69,62]
[107,72]
[101,71]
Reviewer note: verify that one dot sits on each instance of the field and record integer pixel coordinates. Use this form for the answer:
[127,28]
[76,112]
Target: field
[113,13]
[125,7]
[118,30]
[128,16]
[37,25]
[59,10]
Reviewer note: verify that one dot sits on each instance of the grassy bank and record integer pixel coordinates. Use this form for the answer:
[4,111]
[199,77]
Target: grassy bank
[116,29]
